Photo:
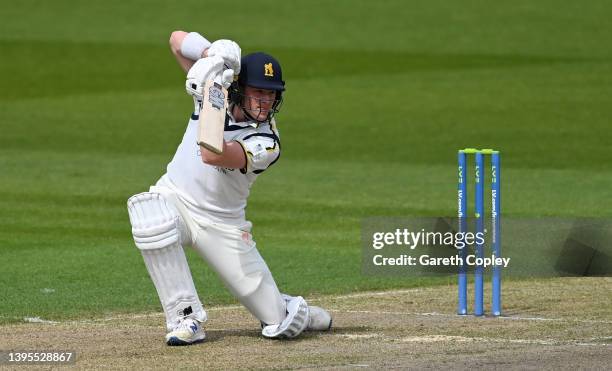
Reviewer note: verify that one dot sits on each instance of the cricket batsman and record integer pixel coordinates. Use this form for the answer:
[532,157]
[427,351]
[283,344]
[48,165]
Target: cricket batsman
[200,201]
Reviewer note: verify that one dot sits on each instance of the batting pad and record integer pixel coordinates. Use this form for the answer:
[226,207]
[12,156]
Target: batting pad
[295,322]
[157,233]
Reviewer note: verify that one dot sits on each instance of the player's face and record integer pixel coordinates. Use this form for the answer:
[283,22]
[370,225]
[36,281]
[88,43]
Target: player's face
[258,102]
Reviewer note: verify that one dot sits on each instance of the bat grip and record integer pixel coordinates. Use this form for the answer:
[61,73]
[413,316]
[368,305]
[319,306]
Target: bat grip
[197,105]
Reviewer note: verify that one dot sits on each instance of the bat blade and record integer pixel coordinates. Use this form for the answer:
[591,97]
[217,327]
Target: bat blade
[212,117]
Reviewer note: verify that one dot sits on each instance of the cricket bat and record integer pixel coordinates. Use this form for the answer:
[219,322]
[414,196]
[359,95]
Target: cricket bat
[212,117]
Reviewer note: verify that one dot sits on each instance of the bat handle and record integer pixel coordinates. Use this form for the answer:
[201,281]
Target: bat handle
[197,105]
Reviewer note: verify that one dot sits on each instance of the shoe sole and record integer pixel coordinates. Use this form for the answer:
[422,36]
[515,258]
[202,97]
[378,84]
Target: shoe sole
[174,341]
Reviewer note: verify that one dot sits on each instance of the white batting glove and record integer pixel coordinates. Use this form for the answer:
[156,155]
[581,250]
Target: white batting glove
[204,69]
[229,51]
[225,78]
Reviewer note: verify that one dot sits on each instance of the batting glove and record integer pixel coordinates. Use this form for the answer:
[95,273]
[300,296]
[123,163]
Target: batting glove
[202,70]
[225,78]
[229,51]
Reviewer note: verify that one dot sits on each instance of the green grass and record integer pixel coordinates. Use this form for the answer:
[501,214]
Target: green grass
[380,96]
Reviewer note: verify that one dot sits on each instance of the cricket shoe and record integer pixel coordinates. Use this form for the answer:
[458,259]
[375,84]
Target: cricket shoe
[188,331]
[320,319]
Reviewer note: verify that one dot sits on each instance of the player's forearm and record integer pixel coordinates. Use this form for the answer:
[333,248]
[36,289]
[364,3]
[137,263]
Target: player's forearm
[233,156]
[187,48]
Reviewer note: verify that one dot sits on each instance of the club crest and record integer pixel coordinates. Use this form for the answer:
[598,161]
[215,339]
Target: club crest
[268,70]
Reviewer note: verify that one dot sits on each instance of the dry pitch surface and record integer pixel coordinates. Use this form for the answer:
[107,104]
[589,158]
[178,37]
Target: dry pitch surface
[548,324]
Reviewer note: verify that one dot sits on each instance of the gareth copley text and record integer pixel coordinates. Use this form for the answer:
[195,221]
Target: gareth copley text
[426,260]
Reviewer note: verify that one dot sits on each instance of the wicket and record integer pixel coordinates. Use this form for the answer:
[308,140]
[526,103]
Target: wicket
[479,211]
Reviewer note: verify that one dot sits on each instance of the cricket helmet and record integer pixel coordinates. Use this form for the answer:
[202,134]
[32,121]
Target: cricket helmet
[262,71]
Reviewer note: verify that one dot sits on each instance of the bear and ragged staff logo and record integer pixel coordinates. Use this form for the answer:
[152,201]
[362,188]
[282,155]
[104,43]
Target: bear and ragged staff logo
[268,71]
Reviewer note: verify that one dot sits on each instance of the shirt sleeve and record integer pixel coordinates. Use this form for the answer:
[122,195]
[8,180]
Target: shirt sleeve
[262,150]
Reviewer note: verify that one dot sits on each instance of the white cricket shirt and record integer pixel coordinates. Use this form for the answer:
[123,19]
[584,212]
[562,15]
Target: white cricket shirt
[220,194]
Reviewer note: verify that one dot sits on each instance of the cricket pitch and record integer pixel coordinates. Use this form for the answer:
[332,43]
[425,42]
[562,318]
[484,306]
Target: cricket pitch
[547,324]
